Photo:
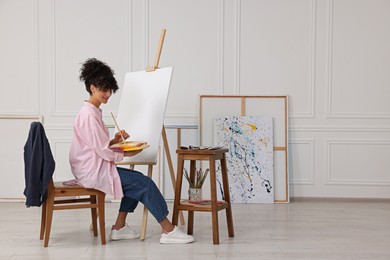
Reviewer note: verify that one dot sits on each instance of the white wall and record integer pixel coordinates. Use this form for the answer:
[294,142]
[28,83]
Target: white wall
[331,57]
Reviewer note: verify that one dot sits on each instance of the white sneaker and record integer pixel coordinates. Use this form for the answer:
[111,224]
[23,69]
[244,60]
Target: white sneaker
[176,236]
[124,233]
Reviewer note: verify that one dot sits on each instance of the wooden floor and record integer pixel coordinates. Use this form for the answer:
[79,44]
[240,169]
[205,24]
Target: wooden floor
[299,230]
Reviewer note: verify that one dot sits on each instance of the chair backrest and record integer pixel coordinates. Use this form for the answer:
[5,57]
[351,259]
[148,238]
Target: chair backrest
[39,165]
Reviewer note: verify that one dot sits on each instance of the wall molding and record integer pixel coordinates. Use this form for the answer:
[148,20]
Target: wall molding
[54,112]
[311,143]
[221,44]
[313,60]
[21,117]
[146,29]
[53,108]
[359,128]
[129,36]
[237,53]
[310,114]
[194,118]
[349,182]
[37,57]
[329,85]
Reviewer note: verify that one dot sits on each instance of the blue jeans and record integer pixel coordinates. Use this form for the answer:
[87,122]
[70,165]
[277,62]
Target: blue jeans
[138,187]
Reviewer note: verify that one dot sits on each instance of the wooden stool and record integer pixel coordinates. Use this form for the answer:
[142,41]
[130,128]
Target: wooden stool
[211,156]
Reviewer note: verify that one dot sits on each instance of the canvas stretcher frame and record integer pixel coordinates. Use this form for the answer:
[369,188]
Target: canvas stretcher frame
[276,106]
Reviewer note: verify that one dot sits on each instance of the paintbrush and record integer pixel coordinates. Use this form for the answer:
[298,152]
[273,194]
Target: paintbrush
[117,126]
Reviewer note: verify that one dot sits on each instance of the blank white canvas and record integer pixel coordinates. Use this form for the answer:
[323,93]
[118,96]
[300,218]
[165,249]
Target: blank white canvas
[142,109]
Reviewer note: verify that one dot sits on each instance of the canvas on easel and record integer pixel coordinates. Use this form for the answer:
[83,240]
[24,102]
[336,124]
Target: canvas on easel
[142,109]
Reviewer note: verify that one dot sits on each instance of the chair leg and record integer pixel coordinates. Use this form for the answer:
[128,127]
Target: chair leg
[43,221]
[49,217]
[94,215]
[102,224]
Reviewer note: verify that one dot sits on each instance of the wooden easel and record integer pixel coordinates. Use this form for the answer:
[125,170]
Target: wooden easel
[166,147]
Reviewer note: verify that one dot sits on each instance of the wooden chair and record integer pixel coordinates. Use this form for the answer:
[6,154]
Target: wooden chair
[94,201]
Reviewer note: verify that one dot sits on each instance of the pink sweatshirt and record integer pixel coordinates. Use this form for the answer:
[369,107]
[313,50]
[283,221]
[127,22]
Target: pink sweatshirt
[91,159]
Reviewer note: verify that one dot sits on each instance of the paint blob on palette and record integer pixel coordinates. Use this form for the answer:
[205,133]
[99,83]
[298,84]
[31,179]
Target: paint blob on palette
[250,157]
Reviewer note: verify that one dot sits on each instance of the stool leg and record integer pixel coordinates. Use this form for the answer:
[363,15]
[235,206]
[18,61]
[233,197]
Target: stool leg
[225,180]
[190,228]
[214,210]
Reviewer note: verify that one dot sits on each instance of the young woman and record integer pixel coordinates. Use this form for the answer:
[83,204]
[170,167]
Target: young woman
[93,162]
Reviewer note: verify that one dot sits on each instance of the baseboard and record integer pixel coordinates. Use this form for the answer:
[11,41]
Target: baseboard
[338,199]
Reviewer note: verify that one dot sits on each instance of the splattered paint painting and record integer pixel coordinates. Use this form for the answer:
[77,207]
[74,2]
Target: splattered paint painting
[250,157]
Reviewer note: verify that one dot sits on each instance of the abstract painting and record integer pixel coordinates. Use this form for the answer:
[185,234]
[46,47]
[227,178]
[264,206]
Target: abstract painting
[250,157]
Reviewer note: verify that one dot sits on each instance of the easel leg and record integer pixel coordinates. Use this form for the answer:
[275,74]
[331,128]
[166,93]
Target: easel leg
[170,165]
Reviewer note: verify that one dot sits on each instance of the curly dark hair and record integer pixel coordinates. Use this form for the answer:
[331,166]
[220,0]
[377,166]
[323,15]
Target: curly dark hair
[97,73]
